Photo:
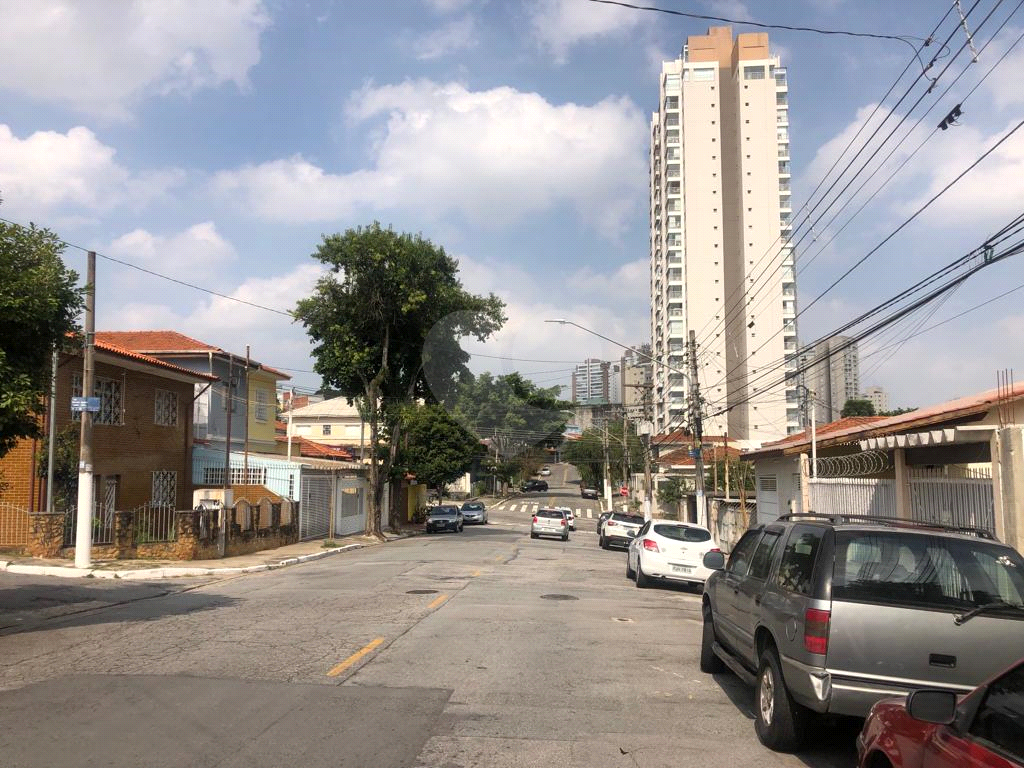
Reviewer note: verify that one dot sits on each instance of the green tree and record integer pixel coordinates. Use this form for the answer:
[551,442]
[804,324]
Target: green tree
[858,408]
[39,301]
[436,448]
[390,307]
[897,411]
[587,454]
[673,493]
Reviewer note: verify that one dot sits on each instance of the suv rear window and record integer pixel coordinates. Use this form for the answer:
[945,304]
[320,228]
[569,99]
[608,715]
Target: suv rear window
[631,519]
[935,571]
[682,533]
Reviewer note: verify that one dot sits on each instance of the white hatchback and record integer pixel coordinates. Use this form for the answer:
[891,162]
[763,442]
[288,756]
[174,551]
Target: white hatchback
[671,550]
[570,516]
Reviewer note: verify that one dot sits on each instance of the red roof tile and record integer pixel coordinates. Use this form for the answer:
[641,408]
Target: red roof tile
[825,429]
[106,346]
[156,341]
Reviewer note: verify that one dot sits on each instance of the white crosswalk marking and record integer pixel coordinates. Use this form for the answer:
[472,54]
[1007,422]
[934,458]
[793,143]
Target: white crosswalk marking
[512,508]
[590,515]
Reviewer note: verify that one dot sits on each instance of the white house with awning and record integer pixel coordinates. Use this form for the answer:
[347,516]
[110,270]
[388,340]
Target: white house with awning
[960,463]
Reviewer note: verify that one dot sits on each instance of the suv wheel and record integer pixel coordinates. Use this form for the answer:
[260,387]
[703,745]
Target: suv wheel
[630,573]
[778,720]
[709,662]
[604,543]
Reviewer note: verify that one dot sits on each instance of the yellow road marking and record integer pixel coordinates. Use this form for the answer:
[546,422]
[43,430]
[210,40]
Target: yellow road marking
[368,648]
[475,573]
[499,558]
[436,602]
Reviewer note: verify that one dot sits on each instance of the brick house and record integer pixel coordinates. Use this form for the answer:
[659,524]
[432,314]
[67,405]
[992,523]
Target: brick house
[142,438]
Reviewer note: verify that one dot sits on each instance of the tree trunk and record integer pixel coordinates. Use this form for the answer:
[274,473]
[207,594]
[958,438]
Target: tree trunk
[376,479]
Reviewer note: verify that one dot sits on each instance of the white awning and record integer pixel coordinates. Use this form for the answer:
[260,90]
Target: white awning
[948,436]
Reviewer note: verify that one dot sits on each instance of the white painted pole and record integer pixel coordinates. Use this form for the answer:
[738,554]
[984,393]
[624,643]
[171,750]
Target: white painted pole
[83,530]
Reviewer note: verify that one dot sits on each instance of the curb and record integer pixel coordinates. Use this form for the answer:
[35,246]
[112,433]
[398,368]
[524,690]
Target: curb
[168,572]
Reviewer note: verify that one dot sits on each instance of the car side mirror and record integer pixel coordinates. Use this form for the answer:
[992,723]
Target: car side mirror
[932,706]
[714,560]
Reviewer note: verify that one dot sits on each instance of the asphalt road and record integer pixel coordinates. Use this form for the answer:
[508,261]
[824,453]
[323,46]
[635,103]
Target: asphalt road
[484,648]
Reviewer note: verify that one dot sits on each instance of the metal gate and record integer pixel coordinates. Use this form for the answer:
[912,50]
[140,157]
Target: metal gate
[853,496]
[962,501]
[14,525]
[350,510]
[315,509]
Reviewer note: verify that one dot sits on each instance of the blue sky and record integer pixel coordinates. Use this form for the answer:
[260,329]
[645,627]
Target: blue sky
[215,142]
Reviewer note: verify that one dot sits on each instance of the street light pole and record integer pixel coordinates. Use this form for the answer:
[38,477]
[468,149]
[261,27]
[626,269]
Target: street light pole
[698,430]
[83,529]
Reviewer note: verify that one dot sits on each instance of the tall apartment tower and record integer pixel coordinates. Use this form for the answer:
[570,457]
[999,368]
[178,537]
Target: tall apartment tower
[834,378]
[590,384]
[721,260]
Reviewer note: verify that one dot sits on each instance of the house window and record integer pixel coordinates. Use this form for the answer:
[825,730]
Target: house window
[262,401]
[165,408]
[327,429]
[753,73]
[165,489]
[111,395]
[704,73]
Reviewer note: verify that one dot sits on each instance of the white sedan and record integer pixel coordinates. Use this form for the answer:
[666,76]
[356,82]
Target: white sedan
[670,550]
[570,516]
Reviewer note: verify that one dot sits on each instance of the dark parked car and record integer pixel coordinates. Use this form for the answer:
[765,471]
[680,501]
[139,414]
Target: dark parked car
[446,517]
[474,512]
[931,728]
[534,485]
[831,613]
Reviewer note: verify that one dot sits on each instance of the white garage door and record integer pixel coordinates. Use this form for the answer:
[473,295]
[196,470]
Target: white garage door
[767,498]
[350,509]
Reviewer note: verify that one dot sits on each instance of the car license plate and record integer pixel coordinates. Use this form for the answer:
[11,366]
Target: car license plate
[682,569]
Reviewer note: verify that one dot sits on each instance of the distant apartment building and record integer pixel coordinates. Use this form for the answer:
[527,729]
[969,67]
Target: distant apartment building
[833,377]
[878,397]
[590,382]
[637,375]
[720,225]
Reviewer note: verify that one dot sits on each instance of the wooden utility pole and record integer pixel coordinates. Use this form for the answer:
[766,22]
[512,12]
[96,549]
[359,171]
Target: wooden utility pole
[222,534]
[83,529]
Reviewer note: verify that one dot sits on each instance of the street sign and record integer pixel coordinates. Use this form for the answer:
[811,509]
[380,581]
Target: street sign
[694,453]
[90,404]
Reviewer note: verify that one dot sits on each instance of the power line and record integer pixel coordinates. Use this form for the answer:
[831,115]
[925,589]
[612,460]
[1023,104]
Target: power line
[791,28]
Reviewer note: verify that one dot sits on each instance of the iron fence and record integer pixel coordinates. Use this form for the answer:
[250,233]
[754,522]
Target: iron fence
[14,525]
[102,525]
[152,523]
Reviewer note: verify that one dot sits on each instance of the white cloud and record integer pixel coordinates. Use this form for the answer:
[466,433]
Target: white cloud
[186,253]
[730,9]
[558,25]
[493,156]
[113,54]
[447,6]
[460,35]
[48,169]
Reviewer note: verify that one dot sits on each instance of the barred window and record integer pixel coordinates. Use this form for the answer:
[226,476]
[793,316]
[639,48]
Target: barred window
[166,408]
[111,395]
[165,489]
[262,400]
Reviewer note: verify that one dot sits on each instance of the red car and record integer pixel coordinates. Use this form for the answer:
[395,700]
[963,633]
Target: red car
[932,729]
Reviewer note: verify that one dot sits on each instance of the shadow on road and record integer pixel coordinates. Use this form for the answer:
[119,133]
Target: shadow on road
[35,607]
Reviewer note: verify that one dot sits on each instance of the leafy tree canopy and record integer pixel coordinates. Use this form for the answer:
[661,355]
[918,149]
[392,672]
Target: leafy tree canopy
[385,323]
[39,302]
[586,453]
[858,408]
[436,448]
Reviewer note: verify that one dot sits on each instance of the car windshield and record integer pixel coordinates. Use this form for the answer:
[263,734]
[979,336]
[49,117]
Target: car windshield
[472,507]
[682,532]
[937,571]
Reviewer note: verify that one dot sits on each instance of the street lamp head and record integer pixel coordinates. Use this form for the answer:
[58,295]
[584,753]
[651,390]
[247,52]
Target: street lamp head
[558,320]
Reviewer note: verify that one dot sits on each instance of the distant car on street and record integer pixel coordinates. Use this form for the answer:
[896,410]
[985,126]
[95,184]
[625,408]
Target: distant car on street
[474,512]
[570,516]
[445,517]
[619,528]
[589,493]
[545,472]
[534,485]
[548,521]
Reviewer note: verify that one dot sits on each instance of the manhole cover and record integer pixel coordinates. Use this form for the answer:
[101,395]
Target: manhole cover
[558,597]
[619,618]
[422,592]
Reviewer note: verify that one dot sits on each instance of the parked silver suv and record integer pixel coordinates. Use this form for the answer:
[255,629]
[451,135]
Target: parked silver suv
[830,613]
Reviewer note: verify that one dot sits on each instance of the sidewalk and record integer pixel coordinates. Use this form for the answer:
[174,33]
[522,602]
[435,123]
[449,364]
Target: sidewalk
[267,560]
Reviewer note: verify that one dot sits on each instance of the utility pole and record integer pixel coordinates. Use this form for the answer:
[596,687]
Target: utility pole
[698,429]
[245,455]
[607,469]
[648,426]
[222,534]
[52,437]
[83,529]
[727,465]
[625,449]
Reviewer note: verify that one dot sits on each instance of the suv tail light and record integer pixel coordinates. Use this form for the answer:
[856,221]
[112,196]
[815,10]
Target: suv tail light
[651,545]
[816,630]
[564,522]
[535,518]
[610,522]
